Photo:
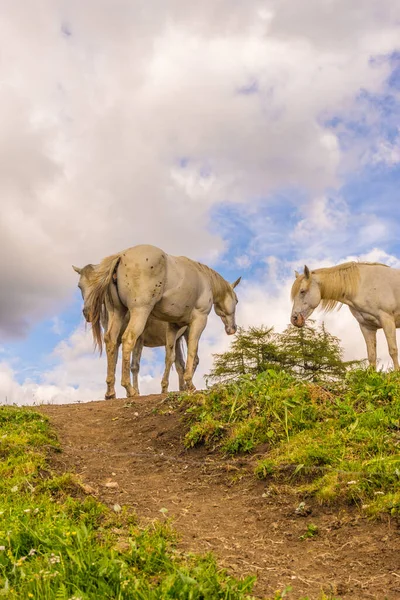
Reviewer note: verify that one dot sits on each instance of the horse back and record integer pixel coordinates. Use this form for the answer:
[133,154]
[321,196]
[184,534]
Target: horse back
[186,289]
[140,275]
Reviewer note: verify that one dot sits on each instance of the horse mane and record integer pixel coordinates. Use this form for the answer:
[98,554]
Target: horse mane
[100,279]
[219,285]
[335,282]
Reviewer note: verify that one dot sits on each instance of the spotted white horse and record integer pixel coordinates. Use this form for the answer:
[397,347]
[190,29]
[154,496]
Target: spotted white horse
[145,281]
[153,336]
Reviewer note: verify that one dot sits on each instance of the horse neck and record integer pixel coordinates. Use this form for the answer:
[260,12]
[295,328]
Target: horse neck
[219,286]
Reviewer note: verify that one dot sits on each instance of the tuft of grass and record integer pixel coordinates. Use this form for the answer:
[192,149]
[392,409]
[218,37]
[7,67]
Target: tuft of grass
[56,543]
[311,531]
[338,442]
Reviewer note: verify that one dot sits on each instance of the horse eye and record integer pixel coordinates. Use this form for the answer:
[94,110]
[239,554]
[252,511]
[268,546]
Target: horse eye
[303,292]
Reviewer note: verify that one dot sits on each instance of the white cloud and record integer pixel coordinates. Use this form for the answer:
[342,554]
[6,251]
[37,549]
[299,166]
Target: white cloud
[77,376]
[57,326]
[387,152]
[324,221]
[377,255]
[29,392]
[100,100]
[243,261]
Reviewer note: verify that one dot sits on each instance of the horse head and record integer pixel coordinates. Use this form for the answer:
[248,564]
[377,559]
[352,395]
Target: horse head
[225,307]
[84,285]
[306,296]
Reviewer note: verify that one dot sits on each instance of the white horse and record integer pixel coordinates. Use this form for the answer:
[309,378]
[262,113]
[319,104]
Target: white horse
[145,280]
[153,336]
[370,290]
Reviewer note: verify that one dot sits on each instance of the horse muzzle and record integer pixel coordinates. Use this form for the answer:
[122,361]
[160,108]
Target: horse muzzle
[298,320]
[231,329]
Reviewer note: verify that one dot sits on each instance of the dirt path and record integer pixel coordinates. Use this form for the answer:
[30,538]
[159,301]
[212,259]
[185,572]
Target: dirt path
[218,505]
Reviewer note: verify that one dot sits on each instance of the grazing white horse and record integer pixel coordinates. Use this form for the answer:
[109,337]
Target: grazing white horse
[370,290]
[153,336]
[145,280]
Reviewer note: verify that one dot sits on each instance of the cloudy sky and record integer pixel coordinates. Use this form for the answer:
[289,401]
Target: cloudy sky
[253,136]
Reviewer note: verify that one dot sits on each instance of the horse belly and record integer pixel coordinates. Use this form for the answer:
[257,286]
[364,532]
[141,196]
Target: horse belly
[181,292]
[173,309]
[366,319]
[371,321]
[155,333]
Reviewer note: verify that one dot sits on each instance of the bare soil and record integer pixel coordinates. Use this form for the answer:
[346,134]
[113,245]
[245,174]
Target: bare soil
[131,453]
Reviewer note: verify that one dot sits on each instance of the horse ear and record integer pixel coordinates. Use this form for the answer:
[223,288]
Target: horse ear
[297,274]
[77,270]
[306,272]
[235,283]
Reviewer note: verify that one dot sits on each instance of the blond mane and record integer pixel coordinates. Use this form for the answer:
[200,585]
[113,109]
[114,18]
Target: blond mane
[335,283]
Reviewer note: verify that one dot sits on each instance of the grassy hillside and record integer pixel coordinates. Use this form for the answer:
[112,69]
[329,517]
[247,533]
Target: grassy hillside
[58,543]
[338,442]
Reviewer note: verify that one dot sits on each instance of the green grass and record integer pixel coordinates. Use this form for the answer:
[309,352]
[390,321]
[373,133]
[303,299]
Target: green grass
[339,444]
[58,543]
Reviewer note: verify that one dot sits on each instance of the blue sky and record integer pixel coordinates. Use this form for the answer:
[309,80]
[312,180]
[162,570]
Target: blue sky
[287,126]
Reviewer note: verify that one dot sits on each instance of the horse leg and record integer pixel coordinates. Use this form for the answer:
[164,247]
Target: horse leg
[389,328]
[170,352]
[112,342]
[196,329]
[196,358]
[137,323]
[180,364]
[370,340]
[135,365]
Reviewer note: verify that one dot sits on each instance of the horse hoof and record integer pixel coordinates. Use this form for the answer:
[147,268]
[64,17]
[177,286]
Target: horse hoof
[190,388]
[130,392]
[109,396]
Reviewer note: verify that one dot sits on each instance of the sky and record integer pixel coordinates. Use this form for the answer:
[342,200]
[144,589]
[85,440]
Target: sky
[253,136]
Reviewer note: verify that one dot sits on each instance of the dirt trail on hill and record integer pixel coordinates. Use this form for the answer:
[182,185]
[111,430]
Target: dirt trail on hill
[218,505]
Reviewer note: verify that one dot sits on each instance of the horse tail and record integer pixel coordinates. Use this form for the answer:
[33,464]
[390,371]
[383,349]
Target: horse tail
[184,336]
[99,290]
